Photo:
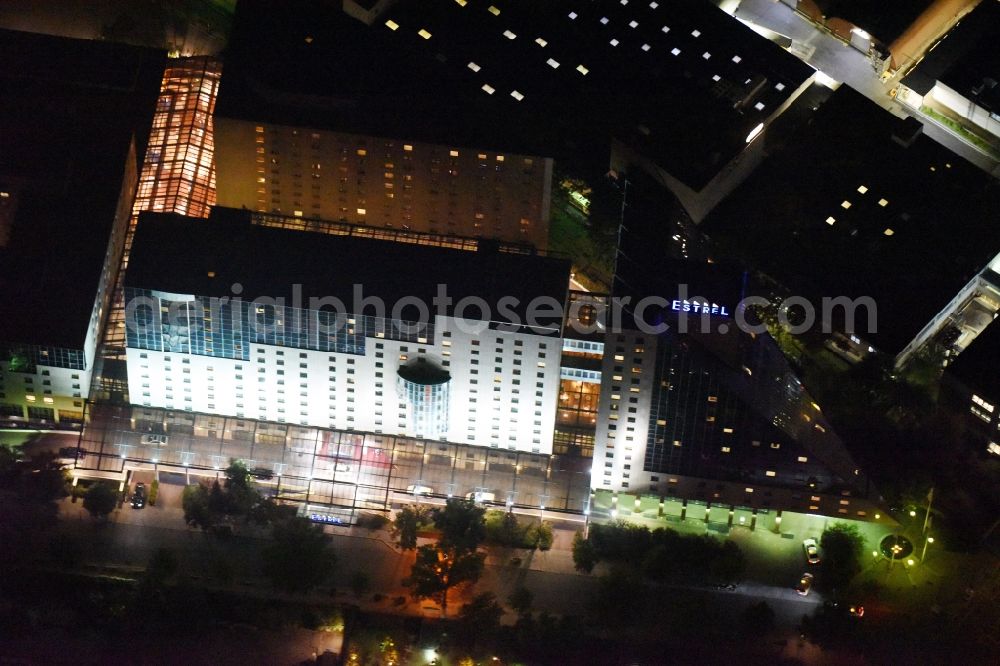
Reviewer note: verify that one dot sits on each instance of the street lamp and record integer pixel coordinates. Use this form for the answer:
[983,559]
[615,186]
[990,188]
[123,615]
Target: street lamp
[923,553]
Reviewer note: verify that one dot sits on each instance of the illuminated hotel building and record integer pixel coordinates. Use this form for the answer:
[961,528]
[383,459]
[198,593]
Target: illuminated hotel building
[381,182]
[248,355]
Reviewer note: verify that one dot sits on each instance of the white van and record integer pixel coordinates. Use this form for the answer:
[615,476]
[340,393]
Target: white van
[484,496]
[416,489]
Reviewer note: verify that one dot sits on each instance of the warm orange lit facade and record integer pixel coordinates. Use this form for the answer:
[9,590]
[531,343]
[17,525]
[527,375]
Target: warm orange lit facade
[380,182]
[178,176]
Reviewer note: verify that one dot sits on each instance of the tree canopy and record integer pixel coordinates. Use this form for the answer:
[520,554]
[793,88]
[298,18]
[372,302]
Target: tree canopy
[299,558]
[842,548]
[100,499]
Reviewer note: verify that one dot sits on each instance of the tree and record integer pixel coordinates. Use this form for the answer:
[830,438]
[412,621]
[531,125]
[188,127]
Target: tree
[842,548]
[461,524]
[298,559]
[100,500]
[406,525]
[479,620]
[520,601]
[438,568]
[584,553]
[197,509]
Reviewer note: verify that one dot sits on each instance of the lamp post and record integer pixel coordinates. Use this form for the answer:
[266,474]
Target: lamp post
[896,549]
[923,553]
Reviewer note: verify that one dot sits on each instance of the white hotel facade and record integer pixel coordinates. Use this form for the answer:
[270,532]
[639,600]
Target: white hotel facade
[205,350]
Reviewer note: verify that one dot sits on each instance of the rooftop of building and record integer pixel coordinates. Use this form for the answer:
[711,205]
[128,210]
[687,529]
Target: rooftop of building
[557,78]
[847,211]
[966,59]
[70,109]
[182,255]
[885,21]
[976,366]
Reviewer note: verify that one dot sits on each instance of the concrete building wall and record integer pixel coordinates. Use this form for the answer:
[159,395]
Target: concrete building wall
[383,182]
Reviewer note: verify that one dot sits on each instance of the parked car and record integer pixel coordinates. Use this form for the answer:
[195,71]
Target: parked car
[72,452]
[139,496]
[812,551]
[154,440]
[416,489]
[263,473]
[805,583]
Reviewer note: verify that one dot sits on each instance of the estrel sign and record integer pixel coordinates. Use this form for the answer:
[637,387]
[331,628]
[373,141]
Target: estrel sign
[698,308]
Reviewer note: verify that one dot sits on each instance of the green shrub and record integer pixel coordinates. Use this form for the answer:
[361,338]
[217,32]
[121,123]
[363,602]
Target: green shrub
[154,490]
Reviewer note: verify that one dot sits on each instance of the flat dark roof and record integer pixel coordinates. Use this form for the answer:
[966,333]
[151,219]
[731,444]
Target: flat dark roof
[964,57]
[923,226]
[70,108]
[177,254]
[376,80]
[976,367]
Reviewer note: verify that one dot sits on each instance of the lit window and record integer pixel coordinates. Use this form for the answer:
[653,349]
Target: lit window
[830,220]
[716,77]
[423,33]
[297,213]
[779,86]
[583,70]
[706,55]
[653,5]
[737,59]
[665,29]
[883,203]
[407,147]
[759,106]
[728,431]
[493,10]
[362,211]
[474,67]
[482,156]
[453,153]
[488,89]
[604,20]
[499,158]
[862,189]
[803,459]
[845,204]
[633,24]
[509,35]
[982,403]
[613,42]
[516,95]
[552,63]
[749,490]
[646,47]
[392,25]
[541,42]
[696,33]
[572,15]
[769,473]
[675,51]
[362,152]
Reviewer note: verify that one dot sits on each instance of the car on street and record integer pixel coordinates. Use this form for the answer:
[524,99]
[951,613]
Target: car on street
[812,551]
[139,496]
[856,611]
[154,440]
[263,473]
[417,489]
[484,496]
[805,584]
